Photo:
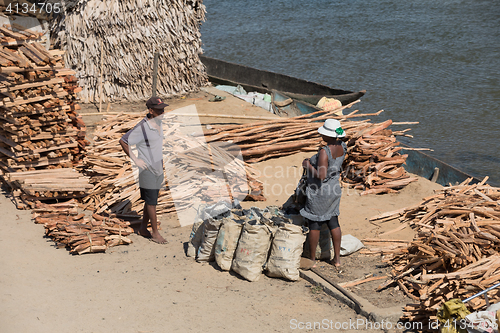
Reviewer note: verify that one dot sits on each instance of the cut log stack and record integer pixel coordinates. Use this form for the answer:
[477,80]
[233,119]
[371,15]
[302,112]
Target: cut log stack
[188,165]
[373,162]
[30,186]
[39,126]
[456,252]
[78,232]
[112,46]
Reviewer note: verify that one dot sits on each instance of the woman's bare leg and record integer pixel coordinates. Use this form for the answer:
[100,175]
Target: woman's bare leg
[336,237]
[313,243]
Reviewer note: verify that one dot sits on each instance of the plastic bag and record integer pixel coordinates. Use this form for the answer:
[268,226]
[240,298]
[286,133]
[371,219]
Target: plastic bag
[251,253]
[286,250]
[206,252]
[350,244]
[227,241]
[195,239]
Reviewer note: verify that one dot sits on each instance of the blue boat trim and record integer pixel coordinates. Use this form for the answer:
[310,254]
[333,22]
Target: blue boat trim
[424,165]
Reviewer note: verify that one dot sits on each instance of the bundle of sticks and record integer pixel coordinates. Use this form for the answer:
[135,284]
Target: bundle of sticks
[39,124]
[13,33]
[189,168]
[78,232]
[455,253]
[373,162]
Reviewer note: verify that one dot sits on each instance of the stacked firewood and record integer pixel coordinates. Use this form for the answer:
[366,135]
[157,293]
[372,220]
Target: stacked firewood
[456,252]
[10,35]
[189,166]
[373,162]
[78,232]
[39,126]
[29,186]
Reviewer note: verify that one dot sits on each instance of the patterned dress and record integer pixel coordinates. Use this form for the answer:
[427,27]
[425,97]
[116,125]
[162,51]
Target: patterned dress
[323,197]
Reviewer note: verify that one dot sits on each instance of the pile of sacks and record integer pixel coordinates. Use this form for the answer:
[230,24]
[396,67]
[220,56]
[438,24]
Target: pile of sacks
[248,241]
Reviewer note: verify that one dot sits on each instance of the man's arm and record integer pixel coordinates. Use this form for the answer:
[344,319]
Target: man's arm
[126,149]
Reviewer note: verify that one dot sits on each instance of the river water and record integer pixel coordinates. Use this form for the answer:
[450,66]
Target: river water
[435,62]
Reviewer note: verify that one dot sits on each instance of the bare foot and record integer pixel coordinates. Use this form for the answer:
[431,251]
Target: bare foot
[313,263]
[157,238]
[144,232]
[336,264]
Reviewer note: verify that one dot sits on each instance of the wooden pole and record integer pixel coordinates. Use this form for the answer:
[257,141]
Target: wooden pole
[155,73]
[100,79]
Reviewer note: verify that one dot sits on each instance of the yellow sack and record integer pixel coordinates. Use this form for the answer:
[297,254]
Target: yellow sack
[329,104]
[450,316]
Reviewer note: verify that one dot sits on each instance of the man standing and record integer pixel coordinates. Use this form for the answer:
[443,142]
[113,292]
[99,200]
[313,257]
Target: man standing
[147,136]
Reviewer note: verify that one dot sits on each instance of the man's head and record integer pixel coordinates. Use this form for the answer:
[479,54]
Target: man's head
[155,106]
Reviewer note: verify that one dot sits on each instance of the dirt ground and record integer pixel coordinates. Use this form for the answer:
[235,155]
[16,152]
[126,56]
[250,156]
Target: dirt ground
[146,287]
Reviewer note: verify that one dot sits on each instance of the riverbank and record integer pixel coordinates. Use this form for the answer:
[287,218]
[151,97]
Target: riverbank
[146,287]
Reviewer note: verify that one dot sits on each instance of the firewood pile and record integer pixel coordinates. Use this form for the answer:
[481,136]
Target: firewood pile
[39,126]
[373,162]
[80,233]
[30,186]
[112,47]
[456,252]
[188,166]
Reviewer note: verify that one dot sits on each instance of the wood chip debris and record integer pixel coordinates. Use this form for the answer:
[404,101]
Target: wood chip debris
[80,233]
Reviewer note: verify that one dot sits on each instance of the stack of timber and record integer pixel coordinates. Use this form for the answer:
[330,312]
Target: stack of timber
[78,232]
[112,44]
[188,164]
[47,184]
[456,252]
[39,126]
[372,163]
[16,34]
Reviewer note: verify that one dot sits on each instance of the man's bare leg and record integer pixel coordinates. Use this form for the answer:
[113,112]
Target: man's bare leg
[155,235]
[143,230]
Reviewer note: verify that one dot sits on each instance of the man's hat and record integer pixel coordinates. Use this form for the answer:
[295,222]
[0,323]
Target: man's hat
[155,103]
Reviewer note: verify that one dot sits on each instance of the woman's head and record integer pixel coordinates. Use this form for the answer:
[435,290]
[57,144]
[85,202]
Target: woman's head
[331,129]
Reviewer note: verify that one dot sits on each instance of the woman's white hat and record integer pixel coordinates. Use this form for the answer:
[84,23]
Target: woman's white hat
[332,128]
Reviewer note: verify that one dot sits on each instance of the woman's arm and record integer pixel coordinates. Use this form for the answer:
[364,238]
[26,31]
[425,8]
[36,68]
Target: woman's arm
[322,166]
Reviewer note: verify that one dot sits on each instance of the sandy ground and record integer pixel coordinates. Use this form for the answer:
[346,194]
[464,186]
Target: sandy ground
[146,287]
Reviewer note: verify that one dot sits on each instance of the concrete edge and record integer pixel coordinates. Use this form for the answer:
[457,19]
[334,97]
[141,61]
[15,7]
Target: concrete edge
[367,309]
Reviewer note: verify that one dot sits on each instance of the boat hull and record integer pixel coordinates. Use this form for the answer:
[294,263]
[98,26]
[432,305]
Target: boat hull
[252,79]
[426,166]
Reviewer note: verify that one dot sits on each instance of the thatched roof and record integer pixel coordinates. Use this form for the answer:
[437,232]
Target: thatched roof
[114,42]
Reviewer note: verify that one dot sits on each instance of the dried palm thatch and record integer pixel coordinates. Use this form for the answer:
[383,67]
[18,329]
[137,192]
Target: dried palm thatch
[111,45]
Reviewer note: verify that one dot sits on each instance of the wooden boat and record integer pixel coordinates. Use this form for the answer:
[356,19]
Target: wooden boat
[252,79]
[284,105]
[431,168]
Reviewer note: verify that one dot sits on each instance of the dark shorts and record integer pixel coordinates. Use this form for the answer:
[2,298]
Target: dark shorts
[149,196]
[332,223]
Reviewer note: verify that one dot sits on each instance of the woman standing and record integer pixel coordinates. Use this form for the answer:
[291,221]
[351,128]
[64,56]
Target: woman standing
[323,187]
